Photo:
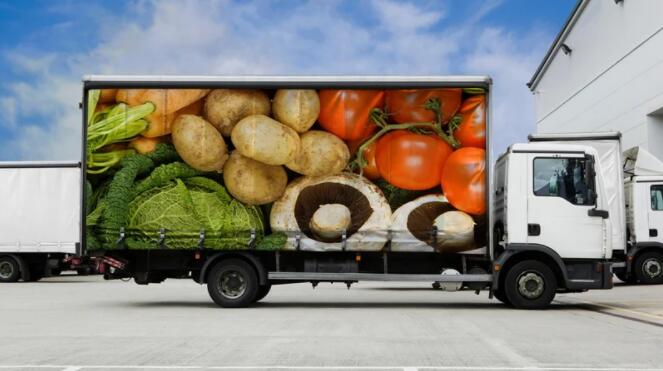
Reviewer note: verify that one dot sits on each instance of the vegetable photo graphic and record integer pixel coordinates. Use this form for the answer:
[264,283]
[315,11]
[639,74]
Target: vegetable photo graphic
[464,180]
[346,113]
[225,107]
[278,162]
[411,160]
[411,105]
[199,144]
[296,108]
[471,131]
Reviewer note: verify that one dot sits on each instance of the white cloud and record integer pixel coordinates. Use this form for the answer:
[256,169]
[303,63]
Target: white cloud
[8,112]
[220,37]
[406,16]
[509,60]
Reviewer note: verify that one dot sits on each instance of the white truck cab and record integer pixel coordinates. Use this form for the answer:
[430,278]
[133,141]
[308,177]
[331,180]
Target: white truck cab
[643,188]
[550,202]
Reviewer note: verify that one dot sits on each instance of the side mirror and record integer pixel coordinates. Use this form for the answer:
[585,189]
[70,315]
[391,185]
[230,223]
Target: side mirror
[591,195]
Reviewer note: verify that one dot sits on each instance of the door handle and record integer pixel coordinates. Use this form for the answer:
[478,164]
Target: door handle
[653,233]
[604,214]
[533,230]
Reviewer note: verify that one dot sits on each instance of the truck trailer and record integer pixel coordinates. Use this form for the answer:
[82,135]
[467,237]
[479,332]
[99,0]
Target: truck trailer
[241,183]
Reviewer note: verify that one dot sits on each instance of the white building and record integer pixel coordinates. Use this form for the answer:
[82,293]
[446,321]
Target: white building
[604,71]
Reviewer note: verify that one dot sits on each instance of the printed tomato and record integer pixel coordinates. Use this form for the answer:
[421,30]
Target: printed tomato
[371,169]
[411,161]
[472,129]
[346,113]
[464,180]
[409,105]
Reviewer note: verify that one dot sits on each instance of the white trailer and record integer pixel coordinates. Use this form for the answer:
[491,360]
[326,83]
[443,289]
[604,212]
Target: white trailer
[643,188]
[40,218]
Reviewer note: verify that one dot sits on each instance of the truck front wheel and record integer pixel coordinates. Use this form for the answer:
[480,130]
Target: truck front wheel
[501,296]
[9,269]
[233,283]
[649,268]
[530,284]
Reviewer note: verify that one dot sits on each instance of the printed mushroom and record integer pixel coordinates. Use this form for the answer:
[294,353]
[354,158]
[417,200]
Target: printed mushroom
[322,209]
[413,226]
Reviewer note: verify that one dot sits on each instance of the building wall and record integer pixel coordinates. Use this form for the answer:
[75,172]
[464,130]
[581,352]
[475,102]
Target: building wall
[612,79]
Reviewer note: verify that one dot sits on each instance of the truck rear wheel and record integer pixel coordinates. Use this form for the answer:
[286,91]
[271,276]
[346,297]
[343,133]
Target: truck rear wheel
[233,283]
[263,291]
[649,268]
[530,284]
[9,269]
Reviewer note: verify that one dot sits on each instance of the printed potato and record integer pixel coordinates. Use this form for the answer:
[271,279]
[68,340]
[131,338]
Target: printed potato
[253,182]
[198,143]
[225,107]
[266,140]
[296,108]
[320,153]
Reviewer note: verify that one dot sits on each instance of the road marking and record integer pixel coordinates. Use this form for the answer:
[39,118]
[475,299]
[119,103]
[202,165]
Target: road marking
[632,315]
[280,367]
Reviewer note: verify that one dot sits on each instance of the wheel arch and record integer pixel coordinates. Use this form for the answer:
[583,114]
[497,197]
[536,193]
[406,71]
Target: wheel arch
[515,253]
[245,256]
[639,249]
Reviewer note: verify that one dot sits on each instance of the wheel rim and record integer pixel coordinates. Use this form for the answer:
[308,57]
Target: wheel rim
[6,270]
[232,284]
[652,268]
[531,285]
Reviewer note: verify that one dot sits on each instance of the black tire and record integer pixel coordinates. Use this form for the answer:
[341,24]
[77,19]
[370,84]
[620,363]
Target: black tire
[56,272]
[233,283]
[84,271]
[627,278]
[263,290]
[648,268]
[10,271]
[530,284]
[499,295]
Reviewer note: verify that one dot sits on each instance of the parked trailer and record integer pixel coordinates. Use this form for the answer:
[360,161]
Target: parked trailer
[643,190]
[40,218]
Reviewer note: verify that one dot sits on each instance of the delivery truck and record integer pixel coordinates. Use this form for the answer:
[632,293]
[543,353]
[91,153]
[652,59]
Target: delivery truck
[241,183]
[635,184]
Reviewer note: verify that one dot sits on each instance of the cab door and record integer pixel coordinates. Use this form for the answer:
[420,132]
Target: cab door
[562,206]
[655,213]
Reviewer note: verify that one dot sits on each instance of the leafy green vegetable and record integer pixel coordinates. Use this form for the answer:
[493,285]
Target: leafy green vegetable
[272,242]
[174,197]
[92,100]
[183,208]
[164,173]
[119,124]
[121,189]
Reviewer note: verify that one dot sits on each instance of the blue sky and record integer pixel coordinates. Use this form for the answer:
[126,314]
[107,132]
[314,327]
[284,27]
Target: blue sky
[46,46]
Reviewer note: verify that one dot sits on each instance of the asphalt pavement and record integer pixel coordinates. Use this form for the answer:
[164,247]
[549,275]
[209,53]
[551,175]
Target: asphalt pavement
[85,323]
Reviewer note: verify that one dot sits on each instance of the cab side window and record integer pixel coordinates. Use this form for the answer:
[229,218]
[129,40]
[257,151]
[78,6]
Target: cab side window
[568,178]
[656,192]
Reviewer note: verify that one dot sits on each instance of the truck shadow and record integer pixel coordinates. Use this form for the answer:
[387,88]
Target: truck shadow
[349,305]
